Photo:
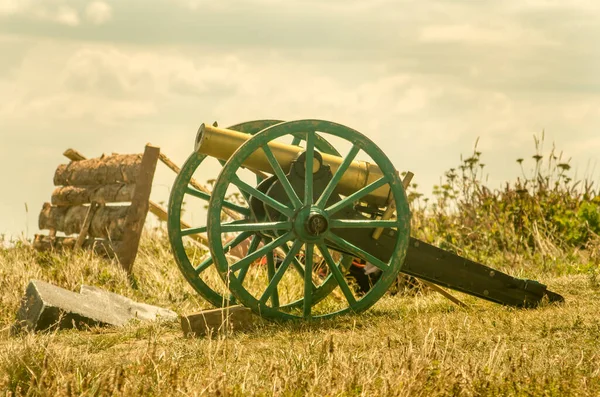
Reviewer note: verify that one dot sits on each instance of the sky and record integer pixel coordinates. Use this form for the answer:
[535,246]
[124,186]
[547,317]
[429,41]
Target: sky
[423,79]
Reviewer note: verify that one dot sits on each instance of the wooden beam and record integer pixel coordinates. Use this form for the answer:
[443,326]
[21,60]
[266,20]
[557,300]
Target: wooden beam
[161,213]
[170,164]
[136,216]
[443,292]
[197,185]
[217,320]
[73,155]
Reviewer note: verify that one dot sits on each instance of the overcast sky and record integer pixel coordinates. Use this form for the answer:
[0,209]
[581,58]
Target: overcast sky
[423,79]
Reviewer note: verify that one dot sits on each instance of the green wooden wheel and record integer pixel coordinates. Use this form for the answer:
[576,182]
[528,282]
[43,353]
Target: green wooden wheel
[265,295]
[195,266]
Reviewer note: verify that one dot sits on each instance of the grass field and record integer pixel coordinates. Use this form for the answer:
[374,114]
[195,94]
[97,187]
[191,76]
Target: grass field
[545,226]
[408,345]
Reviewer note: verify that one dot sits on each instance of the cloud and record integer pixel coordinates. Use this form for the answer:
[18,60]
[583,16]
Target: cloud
[421,79]
[472,34]
[111,85]
[51,11]
[64,15]
[11,7]
[98,12]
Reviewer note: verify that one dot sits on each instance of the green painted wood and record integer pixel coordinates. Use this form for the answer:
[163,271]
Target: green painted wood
[176,237]
[311,212]
[192,272]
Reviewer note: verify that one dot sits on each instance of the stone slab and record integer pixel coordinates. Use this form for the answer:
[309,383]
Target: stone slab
[120,303]
[236,318]
[47,306]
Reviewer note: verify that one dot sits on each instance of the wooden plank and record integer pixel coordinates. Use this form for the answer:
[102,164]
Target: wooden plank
[73,155]
[161,213]
[167,161]
[222,320]
[443,292]
[138,210]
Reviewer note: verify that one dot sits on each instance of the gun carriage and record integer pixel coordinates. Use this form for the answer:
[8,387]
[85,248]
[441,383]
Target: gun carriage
[322,194]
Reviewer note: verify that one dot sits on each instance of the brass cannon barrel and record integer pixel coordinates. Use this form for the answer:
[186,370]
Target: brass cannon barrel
[221,143]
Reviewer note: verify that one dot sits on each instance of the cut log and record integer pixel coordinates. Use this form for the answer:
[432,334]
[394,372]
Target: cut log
[100,247]
[116,168]
[107,222]
[78,195]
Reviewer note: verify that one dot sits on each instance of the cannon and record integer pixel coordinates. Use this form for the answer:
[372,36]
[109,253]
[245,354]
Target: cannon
[304,199]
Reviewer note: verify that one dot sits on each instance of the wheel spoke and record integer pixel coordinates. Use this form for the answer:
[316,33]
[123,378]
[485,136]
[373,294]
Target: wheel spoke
[360,223]
[271,202]
[308,167]
[226,248]
[256,239]
[204,265]
[337,274]
[356,251]
[308,284]
[271,274]
[236,241]
[227,204]
[245,195]
[261,252]
[337,176]
[296,141]
[282,177]
[255,227]
[356,195]
[279,273]
[193,230]
[297,265]
[197,193]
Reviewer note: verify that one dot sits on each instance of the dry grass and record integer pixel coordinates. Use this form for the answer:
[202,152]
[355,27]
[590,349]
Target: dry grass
[405,345]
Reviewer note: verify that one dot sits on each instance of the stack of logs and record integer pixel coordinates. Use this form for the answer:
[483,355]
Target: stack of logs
[85,198]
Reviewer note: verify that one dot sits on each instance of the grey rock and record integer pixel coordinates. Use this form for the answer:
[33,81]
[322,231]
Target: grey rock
[120,303]
[47,306]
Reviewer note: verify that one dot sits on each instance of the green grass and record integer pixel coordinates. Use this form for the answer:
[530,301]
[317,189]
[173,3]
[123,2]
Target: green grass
[411,344]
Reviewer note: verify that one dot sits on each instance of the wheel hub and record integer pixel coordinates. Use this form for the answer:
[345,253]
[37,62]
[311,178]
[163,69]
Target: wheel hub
[310,223]
[316,224]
